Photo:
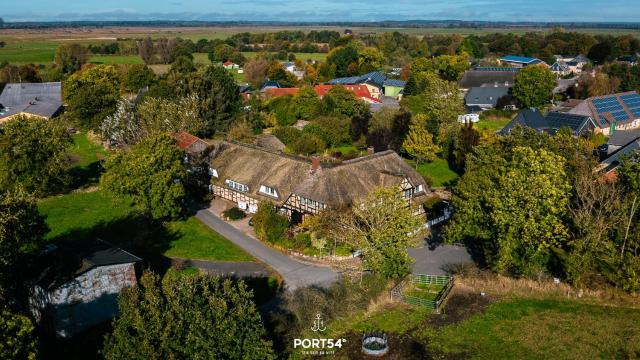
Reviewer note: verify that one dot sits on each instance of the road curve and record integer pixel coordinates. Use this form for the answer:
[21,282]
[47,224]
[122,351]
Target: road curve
[295,274]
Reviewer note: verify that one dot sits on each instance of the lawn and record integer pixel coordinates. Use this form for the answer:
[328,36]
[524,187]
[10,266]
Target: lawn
[494,120]
[543,329]
[423,291]
[85,156]
[115,59]
[197,241]
[82,216]
[438,171]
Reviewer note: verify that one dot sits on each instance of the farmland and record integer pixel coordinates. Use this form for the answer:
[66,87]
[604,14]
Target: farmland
[38,46]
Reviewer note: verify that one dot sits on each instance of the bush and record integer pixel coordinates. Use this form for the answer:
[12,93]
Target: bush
[287,134]
[285,110]
[268,224]
[234,214]
[308,144]
[336,129]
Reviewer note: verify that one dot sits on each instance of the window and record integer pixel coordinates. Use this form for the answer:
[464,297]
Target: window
[236,186]
[310,202]
[408,193]
[213,172]
[268,191]
[419,189]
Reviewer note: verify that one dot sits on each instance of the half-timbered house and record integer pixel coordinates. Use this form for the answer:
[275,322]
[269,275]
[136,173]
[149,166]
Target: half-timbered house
[299,186]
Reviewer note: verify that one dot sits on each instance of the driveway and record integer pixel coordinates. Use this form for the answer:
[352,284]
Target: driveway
[436,261]
[295,274]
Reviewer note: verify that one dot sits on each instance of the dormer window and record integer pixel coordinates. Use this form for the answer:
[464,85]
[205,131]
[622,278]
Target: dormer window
[236,186]
[419,189]
[268,191]
[213,172]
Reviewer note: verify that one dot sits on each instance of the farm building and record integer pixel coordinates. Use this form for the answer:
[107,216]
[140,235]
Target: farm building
[78,286]
[247,174]
[612,112]
[36,99]
[230,65]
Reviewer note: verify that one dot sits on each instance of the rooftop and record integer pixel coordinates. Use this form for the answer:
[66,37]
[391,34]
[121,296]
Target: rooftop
[42,99]
[520,59]
[610,109]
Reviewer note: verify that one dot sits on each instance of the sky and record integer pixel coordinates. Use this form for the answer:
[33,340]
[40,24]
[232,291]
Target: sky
[322,10]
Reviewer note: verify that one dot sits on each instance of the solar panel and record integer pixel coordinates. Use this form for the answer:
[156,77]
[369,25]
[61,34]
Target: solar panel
[636,112]
[630,96]
[609,108]
[620,115]
[632,102]
[606,100]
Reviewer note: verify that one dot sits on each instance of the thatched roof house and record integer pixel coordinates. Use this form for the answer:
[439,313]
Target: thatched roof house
[248,174]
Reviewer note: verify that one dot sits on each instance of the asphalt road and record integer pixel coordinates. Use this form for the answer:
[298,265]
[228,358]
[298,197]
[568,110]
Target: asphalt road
[295,274]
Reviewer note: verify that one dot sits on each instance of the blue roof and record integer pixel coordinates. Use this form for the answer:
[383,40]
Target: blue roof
[397,83]
[271,84]
[376,78]
[519,59]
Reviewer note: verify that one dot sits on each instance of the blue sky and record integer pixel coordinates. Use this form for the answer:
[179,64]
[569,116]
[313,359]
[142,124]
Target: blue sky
[322,10]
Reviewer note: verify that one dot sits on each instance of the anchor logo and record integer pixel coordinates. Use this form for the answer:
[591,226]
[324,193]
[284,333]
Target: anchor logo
[318,324]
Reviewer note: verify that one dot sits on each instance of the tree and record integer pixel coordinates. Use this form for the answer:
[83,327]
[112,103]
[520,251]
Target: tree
[512,206]
[16,336]
[164,115]
[380,227]
[370,59]
[220,98]
[308,103]
[335,128]
[344,60]
[145,50]
[308,144]
[255,71]
[533,86]
[33,155]
[419,143]
[268,224]
[91,95]
[152,173]
[201,317]
[182,64]
[341,102]
[136,77]
[22,228]
[70,57]
[121,128]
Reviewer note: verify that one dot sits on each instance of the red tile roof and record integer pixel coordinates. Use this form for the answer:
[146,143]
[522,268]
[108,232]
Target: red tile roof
[184,139]
[360,91]
[228,62]
[281,91]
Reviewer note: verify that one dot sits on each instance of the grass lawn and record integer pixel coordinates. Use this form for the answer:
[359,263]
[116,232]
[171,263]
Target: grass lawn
[115,59]
[492,125]
[438,170]
[85,156]
[543,329]
[196,241]
[423,291]
[83,216]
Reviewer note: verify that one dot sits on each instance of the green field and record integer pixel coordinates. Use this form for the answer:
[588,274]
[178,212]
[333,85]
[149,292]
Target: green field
[437,170]
[115,59]
[85,157]
[197,241]
[83,216]
[509,329]
[28,52]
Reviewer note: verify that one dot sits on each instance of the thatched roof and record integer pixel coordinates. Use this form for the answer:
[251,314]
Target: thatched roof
[352,180]
[270,142]
[335,185]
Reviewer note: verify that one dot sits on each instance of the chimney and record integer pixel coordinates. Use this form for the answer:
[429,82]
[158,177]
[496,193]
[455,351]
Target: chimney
[315,163]
[370,150]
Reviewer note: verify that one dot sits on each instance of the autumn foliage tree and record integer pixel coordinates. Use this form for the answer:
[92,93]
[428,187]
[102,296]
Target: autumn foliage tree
[419,142]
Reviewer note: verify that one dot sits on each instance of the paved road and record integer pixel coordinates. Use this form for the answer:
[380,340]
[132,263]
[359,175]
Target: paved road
[295,274]
[240,269]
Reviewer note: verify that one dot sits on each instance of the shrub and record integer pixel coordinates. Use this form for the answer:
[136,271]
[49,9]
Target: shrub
[285,110]
[234,214]
[268,224]
[308,144]
[317,130]
[336,129]
[287,134]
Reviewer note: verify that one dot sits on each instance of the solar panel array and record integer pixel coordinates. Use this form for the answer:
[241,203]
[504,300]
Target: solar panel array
[615,107]
[632,101]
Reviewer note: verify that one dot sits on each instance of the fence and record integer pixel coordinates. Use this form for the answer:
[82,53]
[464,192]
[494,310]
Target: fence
[399,293]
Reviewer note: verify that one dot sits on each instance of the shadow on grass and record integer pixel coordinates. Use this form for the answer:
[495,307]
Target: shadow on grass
[147,239]
[85,176]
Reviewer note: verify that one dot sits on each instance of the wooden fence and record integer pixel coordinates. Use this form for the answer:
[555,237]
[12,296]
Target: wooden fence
[398,293]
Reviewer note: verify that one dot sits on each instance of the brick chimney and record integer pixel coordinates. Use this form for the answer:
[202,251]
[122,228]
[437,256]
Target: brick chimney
[370,150]
[315,163]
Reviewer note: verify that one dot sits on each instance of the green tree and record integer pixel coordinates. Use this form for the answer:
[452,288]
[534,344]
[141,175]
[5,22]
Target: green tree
[343,61]
[16,336]
[341,102]
[21,230]
[199,317]
[152,174]
[91,95]
[308,144]
[136,77]
[33,155]
[220,98]
[379,227]
[419,143]
[335,128]
[513,206]
[533,86]
[370,59]
[269,225]
[308,103]
[182,64]
[70,57]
